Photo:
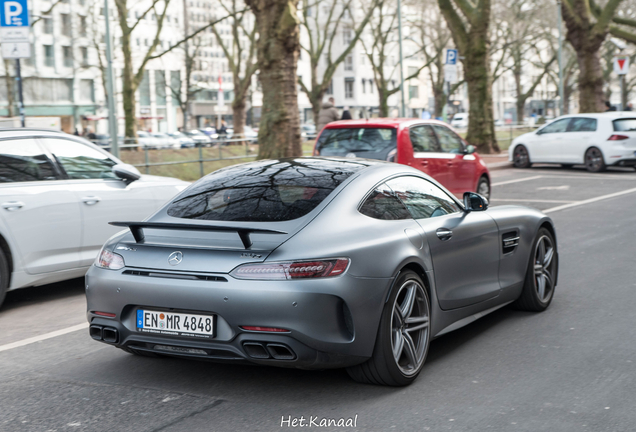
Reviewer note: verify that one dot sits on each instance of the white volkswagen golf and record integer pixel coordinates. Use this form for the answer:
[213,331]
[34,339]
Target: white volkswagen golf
[57,194]
[594,140]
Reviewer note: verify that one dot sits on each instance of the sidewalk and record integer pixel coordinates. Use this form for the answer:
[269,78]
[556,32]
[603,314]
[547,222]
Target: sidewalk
[496,161]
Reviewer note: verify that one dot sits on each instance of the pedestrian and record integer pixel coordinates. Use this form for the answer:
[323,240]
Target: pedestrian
[609,106]
[328,113]
[346,115]
[629,107]
[76,133]
[223,129]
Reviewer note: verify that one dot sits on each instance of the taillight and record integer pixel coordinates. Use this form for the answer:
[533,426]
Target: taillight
[110,260]
[105,314]
[616,137]
[292,269]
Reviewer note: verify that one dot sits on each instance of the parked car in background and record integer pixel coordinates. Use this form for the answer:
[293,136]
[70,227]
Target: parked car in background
[145,139]
[183,140]
[594,140]
[58,193]
[428,145]
[101,140]
[210,131]
[307,131]
[165,140]
[200,139]
[460,121]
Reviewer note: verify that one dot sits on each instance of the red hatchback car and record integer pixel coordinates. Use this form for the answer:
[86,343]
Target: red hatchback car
[428,145]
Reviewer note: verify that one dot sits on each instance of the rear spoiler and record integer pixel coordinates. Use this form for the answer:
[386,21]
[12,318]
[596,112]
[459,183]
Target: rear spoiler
[136,228]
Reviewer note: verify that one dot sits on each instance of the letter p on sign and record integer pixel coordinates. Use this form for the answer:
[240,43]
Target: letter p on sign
[14,13]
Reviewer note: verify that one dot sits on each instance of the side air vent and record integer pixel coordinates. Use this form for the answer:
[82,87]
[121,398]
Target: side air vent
[510,242]
[175,275]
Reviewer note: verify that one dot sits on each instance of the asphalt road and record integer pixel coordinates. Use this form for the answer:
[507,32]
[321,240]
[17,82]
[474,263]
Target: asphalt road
[571,368]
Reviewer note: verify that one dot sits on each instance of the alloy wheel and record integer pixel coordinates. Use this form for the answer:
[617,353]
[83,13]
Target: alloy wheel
[410,319]
[594,159]
[521,157]
[544,268]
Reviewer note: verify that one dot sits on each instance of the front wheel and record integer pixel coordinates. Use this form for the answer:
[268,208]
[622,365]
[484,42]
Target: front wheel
[594,160]
[403,338]
[538,288]
[520,157]
[483,187]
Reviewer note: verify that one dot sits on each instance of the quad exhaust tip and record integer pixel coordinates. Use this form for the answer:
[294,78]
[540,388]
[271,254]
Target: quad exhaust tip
[106,334]
[264,351]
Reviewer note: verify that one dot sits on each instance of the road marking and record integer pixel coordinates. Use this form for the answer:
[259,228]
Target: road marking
[589,201]
[532,200]
[516,181]
[45,336]
[564,187]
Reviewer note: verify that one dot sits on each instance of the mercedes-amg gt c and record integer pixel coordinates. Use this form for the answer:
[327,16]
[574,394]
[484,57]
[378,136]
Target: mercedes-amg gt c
[316,263]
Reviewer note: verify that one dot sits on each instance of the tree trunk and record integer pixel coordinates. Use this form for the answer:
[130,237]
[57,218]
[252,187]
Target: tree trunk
[128,91]
[278,50]
[587,44]
[239,106]
[481,127]
[383,101]
[440,100]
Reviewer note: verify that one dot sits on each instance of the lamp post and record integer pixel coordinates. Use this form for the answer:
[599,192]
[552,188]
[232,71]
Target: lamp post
[112,114]
[399,11]
[561,91]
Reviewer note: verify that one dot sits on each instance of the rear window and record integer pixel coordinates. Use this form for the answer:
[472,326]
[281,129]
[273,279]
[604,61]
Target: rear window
[351,140]
[270,191]
[625,125]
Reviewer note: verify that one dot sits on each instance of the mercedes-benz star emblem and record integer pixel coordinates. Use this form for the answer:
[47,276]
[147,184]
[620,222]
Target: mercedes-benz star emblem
[175,258]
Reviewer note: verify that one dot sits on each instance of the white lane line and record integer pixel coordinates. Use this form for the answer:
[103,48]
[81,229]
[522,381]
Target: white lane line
[532,200]
[45,336]
[516,181]
[596,177]
[589,201]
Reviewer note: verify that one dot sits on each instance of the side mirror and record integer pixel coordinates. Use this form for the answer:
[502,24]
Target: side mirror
[127,173]
[470,149]
[474,202]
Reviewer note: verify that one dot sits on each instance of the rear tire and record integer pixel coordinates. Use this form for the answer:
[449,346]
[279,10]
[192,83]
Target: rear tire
[4,276]
[403,338]
[483,187]
[594,160]
[520,157]
[543,265]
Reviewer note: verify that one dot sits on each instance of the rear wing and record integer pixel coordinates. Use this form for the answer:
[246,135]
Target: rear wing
[136,228]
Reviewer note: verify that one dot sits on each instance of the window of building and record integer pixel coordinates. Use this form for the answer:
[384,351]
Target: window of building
[47,22]
[82,26]
[329,90]
[412,70]
[65,19]
[144,90]
[87,90]
[371,87]
[414,92]
[364,85]
[49,56]
[349,88]
[160,87]
[39,90]
[348,63]
[67,55]
[347,35]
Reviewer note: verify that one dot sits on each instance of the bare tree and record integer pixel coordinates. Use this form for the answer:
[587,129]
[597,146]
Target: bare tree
[469,22]
[324,21]
[182,89]
[240,51]
[278,48]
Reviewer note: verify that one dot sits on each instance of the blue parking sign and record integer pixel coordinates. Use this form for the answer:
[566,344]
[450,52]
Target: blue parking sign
[451,56]
[14,13]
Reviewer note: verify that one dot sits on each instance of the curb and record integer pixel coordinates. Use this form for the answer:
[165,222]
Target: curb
[499,165]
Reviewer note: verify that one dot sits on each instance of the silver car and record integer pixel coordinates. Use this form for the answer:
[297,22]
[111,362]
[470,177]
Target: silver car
[316,263]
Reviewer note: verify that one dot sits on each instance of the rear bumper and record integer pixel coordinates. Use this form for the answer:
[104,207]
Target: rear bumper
[332,322]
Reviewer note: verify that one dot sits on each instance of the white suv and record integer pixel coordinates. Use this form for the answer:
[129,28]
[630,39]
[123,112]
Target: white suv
[595,140]
[58,193]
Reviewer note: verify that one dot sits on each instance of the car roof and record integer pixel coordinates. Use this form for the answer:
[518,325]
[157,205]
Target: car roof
[381,123]
[609,114]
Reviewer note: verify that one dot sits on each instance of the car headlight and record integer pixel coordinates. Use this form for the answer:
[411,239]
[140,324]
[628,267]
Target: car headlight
[109,260]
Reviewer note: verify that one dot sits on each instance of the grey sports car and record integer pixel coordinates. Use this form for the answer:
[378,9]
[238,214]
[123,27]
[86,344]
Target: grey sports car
[317,263]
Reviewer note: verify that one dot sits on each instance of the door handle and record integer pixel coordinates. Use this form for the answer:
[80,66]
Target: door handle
[12,205]
[444,234]
[91,200]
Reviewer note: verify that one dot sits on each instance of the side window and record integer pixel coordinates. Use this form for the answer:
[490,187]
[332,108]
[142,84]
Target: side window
[79,160]
[422,198]
[423,139]
[23,160]
[448,140]
[383,204]
[557,126]
[579,124]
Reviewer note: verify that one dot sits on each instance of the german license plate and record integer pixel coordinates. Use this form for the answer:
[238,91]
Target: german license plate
[175,324]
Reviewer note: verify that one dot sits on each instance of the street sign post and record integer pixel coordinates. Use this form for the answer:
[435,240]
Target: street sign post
[621,67]
[14,35]
[450,75]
